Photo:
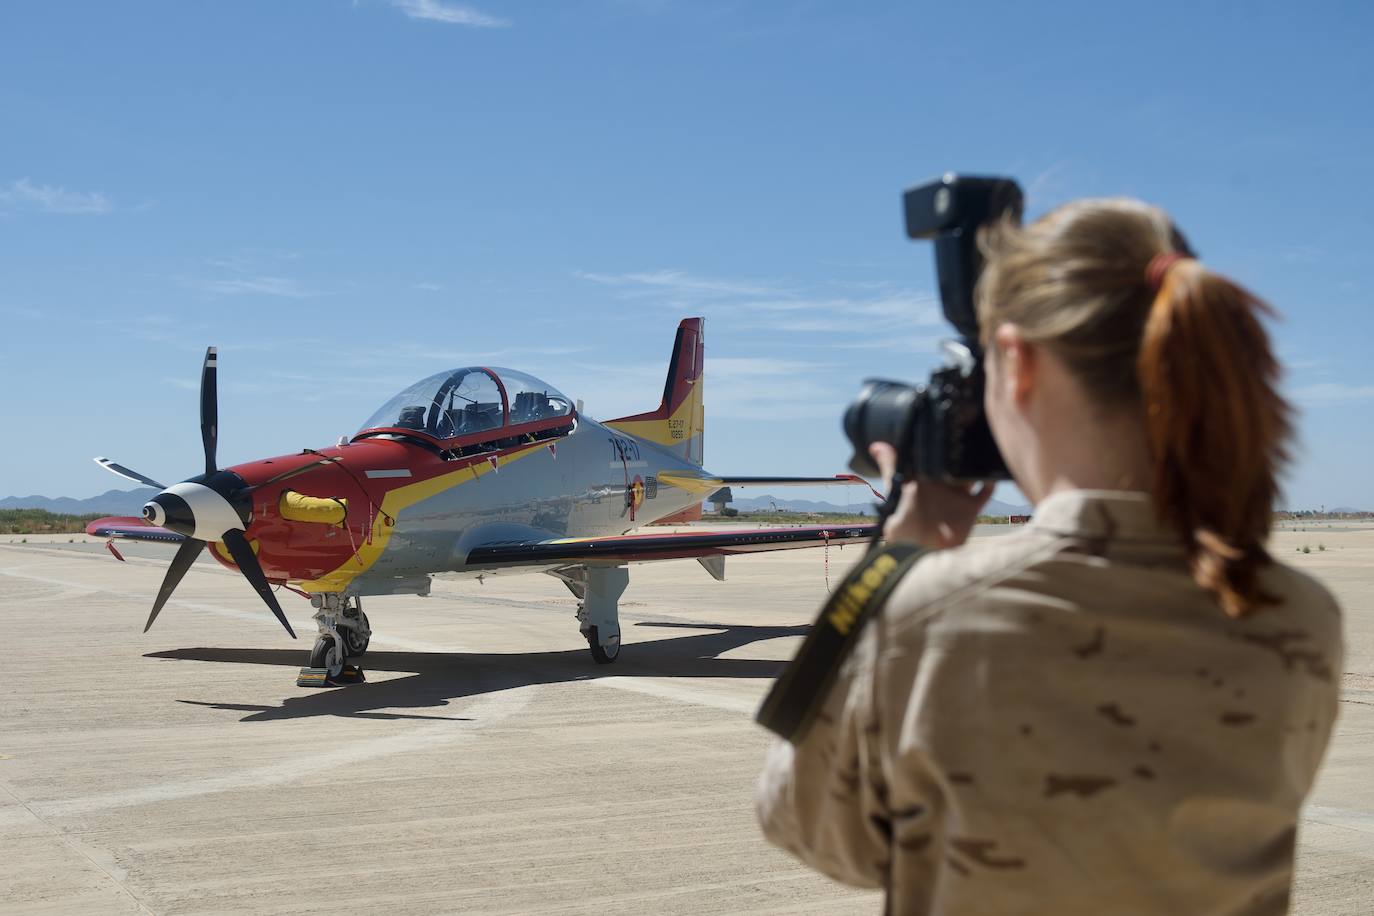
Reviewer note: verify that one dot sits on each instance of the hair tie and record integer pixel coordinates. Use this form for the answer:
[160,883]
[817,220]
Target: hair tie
[1159,266]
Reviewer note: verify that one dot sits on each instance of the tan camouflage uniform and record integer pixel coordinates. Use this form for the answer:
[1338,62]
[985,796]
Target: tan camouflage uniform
[1060,721]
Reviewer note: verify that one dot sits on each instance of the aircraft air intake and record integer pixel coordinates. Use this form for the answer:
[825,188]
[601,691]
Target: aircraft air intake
[297,507]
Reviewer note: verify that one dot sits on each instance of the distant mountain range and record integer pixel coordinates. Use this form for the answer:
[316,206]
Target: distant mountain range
[111,502]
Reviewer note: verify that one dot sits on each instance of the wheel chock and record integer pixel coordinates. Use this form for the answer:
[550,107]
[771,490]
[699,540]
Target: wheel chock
[319,677]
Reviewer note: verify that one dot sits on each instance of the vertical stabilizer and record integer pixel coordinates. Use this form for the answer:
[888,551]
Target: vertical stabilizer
[678,425]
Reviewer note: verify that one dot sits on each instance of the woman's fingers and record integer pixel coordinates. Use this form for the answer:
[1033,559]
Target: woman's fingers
[930,513]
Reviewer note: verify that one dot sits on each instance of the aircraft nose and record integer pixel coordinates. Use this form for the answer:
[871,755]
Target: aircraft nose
[169,510]
[204,508]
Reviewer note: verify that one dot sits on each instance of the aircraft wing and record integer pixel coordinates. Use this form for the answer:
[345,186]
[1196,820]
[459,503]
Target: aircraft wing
[637,548]
[131,528]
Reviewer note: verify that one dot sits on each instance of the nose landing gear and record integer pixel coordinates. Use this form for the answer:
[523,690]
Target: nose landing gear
[343,639]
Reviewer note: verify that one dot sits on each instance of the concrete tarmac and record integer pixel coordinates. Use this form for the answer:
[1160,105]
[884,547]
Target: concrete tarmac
[488,766]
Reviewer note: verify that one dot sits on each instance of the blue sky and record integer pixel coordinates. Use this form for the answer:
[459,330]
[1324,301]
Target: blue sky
[347,196]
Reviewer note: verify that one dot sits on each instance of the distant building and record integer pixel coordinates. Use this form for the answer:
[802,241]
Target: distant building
[720,499]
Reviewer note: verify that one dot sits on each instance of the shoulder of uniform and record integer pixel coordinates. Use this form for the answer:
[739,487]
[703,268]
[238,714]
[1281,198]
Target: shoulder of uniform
[1304,600]
[942,578]
[1300,588]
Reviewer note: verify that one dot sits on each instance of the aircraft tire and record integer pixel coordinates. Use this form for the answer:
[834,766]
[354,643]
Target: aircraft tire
[355,644]
[599,653]
[324,653]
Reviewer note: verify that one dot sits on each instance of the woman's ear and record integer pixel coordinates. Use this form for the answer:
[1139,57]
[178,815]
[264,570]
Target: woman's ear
[1018,361]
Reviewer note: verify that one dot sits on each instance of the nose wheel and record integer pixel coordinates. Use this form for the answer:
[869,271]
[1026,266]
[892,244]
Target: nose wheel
[326,655]
[345,633]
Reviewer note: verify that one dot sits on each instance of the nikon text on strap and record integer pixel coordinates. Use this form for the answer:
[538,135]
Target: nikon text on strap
[791,703]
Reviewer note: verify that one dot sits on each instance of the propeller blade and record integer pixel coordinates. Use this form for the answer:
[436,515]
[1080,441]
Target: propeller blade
[122,471]
[209,408]
[186,555]
[248,564]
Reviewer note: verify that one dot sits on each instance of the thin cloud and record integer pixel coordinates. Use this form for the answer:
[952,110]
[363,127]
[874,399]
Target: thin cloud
[680,283]
[21,311]
[749,367]
[450,13]
[928,345]
[1302,254]
[852,313]
[878,307]
[1051,185]
[429,287]
[738,388]
[1333,393]
[24,194]
[281,287]
[476,354]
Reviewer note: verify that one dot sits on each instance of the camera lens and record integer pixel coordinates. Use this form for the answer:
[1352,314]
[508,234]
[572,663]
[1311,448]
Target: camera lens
[881,413]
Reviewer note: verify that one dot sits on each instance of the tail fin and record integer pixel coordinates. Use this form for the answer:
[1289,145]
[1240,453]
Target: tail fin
[678,426]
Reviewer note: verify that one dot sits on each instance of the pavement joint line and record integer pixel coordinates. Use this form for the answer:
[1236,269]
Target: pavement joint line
[135,596]
[76,846]
[1333,816]
[489,709]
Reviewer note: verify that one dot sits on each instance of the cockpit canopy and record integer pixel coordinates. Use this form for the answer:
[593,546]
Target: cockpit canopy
[473,404]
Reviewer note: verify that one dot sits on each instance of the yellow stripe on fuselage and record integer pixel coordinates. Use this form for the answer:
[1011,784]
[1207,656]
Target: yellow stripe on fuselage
[393,504]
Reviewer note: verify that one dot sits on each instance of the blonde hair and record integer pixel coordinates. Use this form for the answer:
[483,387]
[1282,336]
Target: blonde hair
[1191,357]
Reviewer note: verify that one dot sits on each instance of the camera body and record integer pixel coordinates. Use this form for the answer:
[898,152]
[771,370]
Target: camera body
[939,429]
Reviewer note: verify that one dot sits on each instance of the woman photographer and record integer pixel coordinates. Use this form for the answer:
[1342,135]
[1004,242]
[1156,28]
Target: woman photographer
[1119,708]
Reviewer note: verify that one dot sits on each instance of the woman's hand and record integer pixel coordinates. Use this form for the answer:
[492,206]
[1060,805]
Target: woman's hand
[933,515]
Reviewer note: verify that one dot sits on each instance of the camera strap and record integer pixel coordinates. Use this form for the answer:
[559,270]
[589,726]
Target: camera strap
[795,696]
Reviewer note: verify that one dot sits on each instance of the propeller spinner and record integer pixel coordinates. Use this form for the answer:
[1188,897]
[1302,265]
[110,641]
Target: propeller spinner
[214,506]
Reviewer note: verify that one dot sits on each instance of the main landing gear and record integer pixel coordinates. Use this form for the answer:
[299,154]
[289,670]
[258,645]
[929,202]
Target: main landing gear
[343,639]
[598,611]
[345,632]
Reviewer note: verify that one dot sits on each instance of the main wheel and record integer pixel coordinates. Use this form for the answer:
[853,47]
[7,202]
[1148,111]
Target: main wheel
[355,643]
[602,655]
[326,655]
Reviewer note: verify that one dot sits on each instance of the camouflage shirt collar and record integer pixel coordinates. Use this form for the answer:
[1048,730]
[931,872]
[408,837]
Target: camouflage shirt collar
[1102,515]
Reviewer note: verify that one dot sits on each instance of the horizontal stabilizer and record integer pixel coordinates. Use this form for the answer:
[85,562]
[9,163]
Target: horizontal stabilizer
[705,484]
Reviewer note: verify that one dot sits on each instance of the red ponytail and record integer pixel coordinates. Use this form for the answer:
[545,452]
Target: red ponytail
[1216,425]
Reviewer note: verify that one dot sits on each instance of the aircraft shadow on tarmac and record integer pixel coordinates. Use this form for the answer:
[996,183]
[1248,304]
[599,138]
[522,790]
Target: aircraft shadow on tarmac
[438,677]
